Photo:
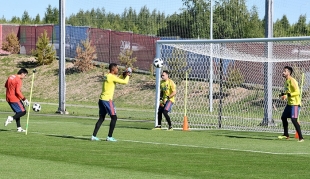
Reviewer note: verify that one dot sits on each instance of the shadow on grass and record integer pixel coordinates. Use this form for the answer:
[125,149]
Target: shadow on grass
[5,130]
[134,127]
[250,137]
[69,137]
[27,64]
[68,71]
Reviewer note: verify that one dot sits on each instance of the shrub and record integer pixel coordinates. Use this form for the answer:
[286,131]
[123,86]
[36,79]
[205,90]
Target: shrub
[235,78]
[125,58]
[85,56]
[11,44]
[44,53]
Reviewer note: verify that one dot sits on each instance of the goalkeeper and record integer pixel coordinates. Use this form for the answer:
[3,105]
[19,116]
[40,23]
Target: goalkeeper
[106,105]
[15,98]
[292,93]
[167,93]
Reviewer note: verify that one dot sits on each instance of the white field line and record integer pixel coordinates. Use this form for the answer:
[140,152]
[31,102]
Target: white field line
[219,148]
[182,145]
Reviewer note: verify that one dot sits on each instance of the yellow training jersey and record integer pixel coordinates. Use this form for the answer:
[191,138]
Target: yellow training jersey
[166,88]
[108,87]
[291,86]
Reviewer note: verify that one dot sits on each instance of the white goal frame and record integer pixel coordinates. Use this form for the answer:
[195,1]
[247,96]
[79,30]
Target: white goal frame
[268,60]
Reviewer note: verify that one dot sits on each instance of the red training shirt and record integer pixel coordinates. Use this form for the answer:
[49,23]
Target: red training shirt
[13,89]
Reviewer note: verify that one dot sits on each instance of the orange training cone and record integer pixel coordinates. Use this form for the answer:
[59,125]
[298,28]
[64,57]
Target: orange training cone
[185,124]
[296,135]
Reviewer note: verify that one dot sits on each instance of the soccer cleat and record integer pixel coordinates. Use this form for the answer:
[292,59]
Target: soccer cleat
[170,129]
[8,120]
[300,140]
[157,128]
[111,139]
[19,129]
[94,138]
[283,137]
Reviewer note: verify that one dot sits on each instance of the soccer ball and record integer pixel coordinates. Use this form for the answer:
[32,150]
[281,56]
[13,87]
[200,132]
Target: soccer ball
[158,62]
[36,107]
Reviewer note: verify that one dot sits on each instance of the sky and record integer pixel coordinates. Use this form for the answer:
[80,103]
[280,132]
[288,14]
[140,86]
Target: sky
[9,8]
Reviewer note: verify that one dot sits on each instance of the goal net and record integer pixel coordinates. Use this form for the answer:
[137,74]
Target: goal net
[234,84]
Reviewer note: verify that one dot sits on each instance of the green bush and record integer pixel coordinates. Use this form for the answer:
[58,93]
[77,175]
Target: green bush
[44,53]
[235,78]
[125,58]
[85,55]
[11,44]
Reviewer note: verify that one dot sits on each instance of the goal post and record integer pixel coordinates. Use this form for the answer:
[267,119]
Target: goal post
[238,81]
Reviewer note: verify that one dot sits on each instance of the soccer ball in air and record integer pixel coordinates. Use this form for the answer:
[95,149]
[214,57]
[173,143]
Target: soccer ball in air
[158,62]
[36,107]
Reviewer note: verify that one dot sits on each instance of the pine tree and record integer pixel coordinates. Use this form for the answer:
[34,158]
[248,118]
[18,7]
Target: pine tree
[85,56]
[44,53]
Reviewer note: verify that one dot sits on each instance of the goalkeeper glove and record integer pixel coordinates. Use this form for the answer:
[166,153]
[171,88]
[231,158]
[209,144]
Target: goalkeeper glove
[282,94]
[26,102]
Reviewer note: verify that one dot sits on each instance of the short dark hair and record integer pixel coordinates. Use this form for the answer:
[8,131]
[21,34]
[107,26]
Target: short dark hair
[166,71]
[112,65]
[289,69]
[22,70]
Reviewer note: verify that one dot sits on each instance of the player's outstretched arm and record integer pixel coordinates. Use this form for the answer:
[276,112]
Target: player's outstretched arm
[119,80]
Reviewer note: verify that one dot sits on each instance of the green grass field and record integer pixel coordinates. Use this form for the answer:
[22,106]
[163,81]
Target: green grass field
[59,146]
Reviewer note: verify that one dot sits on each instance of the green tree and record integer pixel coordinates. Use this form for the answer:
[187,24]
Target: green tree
[130,17]
[255,28]
[300,28]
[15,20]
[44,53]
[177,25]
[282,27]
[37,20]
[51,15]
[231,18]
[2,19]
[199,12]
[144,21]
[26,19]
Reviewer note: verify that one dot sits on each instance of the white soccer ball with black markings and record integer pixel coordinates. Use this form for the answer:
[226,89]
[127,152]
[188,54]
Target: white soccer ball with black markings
[36,107]
[158,62]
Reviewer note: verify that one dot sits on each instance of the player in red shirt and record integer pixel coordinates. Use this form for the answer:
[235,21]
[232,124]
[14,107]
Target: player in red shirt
[15,98]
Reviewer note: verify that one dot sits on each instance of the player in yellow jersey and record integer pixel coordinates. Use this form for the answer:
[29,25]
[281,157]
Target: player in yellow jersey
[106,105]
[292,93]
[167,98]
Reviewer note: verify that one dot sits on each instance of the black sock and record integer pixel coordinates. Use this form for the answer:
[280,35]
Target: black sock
[159,118]
[167,117]
[112,125]
[98,125]
[285,126]
[297,127]
[18,122]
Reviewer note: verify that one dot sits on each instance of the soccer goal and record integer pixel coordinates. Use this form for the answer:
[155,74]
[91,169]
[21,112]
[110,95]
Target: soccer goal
[234,83]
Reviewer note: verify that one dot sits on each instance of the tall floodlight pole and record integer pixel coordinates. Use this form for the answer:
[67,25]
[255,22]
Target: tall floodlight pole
[62,50]
[268,66]
[211,59]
